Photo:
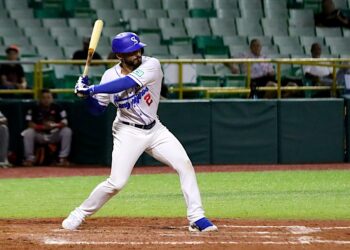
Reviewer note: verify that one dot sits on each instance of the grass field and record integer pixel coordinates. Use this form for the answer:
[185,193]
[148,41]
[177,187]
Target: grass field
[273,195]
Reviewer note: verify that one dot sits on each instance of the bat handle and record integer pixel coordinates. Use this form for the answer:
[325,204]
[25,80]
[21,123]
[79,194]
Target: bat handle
[86,70]
[88,62]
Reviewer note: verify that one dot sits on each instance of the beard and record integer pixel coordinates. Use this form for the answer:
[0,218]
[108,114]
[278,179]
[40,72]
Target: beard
[133,63]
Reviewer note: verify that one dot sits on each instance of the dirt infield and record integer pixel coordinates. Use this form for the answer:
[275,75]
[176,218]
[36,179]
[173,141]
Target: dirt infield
[170,233]
[146,233]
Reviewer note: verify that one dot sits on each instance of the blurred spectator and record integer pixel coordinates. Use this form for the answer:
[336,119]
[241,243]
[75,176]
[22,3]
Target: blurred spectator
[82,54]
[343,77]
[262,74]
[4,142]
[330,16]
[111,56]
[318,75]
[12,75]
[47,124]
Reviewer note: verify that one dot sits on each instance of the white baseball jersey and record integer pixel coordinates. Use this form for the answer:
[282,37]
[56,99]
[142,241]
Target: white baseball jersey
[137,105]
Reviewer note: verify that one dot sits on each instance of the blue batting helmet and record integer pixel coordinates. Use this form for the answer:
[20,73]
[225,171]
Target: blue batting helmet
[126,42]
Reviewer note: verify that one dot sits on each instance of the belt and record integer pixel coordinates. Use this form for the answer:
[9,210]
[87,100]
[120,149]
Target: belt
[148,126]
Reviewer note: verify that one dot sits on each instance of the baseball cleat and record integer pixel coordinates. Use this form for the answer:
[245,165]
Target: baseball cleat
[202,225]
[72,222]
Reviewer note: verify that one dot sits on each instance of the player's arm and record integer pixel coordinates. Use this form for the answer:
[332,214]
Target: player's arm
[62,117]
[32,124]
[94,106]
[37,127]
[111,87]
[145,74]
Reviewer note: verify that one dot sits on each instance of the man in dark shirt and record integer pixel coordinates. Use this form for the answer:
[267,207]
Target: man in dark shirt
[82,54]
[330,16]
[47,123]
[12,75]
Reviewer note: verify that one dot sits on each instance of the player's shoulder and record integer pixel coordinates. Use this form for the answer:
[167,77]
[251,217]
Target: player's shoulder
[110,70]
[148,60]
[110,74]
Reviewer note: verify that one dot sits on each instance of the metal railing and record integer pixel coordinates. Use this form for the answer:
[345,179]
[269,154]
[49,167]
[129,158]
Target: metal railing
[181,88]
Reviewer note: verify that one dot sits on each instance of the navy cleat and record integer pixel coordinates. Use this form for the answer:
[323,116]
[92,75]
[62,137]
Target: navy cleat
[202,225]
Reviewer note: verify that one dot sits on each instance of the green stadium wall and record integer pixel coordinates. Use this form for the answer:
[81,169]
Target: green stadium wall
[230,131]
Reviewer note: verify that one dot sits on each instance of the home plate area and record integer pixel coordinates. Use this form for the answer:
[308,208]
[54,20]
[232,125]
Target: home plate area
[163,233]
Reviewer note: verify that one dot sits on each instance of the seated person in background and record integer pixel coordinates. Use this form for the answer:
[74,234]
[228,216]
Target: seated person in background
[330,16]
[4,142]
[12,75]
[111,56]
[82,54]
[262,74]
[318,75]
[47,123]
[343,77]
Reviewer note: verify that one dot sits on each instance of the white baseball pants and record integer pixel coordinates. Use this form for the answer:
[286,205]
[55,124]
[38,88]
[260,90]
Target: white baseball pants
[4,142]
[30,136]
[129,143]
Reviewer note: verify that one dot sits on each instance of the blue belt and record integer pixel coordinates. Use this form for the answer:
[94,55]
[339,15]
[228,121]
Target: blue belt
[148,126]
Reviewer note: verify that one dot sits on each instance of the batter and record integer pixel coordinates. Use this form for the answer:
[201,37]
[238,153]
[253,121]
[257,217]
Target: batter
[133,86]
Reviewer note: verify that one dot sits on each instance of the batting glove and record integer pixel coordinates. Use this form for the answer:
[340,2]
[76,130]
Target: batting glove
[82,88]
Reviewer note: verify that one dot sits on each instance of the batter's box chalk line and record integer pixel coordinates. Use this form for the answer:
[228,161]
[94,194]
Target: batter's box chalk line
[299,241]
[256,235]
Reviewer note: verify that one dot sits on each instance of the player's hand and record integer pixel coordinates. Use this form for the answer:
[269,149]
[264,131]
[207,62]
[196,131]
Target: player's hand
[82,88]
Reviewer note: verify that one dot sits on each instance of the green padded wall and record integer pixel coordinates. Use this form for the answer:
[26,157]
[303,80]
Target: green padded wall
[347,127]
[244,131]
[91,135]
[190,122]
[311,131]
[213,132]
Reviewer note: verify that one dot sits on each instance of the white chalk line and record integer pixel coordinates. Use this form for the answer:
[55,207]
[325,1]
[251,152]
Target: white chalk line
[299,241]
[259,235]
[291,226]
[222,235]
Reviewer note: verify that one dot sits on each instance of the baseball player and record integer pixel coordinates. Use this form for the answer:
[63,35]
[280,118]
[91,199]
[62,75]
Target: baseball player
[133,86]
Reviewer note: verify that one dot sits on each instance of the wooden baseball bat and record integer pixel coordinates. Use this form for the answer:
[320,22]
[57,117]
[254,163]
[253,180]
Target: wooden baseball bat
[95,37]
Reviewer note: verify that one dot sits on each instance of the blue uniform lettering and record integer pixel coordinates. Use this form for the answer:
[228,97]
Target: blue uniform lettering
[135,99]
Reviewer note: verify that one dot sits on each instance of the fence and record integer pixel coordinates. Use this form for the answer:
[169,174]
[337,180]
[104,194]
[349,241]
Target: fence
[181,88]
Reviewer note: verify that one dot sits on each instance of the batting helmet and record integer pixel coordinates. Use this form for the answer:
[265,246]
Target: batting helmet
[126,42]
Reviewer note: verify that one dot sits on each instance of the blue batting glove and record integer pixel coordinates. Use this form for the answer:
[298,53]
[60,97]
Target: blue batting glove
[82,89]
[84,79]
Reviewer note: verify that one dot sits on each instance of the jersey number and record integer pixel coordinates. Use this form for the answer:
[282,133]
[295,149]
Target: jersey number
[148,99]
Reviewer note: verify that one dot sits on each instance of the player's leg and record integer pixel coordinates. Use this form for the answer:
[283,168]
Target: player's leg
[128,145]
[64,136]
[4,142]
[66,139]
[166,148]
[30,136]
